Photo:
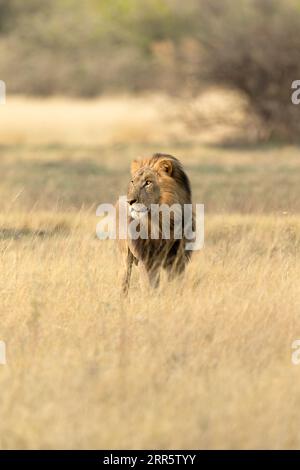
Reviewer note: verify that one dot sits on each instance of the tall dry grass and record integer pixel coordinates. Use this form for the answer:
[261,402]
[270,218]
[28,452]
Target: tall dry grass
[199,363]
[115,119]
[205,363]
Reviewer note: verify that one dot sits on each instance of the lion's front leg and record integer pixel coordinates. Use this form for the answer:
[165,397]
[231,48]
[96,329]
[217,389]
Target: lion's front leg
[127,275]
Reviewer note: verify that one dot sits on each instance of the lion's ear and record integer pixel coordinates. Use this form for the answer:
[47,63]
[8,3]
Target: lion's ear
[166,166]
[135,166]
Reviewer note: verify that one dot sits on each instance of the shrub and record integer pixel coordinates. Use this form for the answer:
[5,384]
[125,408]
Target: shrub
[253,46]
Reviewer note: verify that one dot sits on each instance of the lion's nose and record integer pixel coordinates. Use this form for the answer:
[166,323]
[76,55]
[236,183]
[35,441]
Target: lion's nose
[131,201]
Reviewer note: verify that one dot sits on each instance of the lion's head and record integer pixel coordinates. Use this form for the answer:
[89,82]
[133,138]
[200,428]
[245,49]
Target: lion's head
[159,179]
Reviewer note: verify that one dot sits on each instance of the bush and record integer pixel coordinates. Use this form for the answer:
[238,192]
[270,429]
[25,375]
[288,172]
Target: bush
[253,46]
[85,48]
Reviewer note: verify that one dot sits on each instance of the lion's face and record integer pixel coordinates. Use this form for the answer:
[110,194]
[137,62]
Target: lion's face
[156,180]
[143,190]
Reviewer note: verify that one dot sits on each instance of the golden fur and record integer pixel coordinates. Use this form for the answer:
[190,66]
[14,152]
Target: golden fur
[159,179]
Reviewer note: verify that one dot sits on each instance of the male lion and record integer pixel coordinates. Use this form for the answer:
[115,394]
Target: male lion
[158,180]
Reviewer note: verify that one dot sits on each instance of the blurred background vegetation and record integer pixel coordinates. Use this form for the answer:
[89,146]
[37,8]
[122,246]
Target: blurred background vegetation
[70,47]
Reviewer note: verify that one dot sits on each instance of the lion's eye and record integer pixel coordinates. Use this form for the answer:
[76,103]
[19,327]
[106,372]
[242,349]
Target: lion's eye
[147,183]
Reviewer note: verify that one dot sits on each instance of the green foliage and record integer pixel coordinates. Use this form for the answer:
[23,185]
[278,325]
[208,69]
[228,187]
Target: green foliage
[5,15]
[85,48]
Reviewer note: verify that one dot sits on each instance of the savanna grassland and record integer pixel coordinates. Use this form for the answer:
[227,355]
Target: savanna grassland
[204,362]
